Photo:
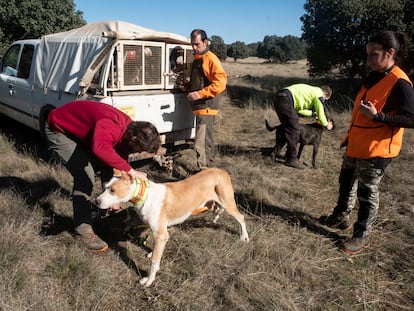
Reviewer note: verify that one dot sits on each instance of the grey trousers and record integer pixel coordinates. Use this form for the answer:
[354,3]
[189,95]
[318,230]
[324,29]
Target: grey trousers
[81,164]
[204,140]
[360,179]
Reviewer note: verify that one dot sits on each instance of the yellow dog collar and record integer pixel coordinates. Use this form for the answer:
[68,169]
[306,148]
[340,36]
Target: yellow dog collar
[141,191]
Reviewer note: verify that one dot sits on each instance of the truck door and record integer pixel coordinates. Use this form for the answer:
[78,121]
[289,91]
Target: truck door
[15,85]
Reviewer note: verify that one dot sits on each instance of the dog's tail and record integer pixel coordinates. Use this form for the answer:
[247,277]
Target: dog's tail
[270,128]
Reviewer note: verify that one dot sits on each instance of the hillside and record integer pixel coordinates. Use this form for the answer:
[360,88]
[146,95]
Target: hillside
[291,263]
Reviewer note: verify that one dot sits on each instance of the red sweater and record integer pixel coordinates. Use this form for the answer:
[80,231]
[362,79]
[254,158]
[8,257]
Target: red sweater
[97,126]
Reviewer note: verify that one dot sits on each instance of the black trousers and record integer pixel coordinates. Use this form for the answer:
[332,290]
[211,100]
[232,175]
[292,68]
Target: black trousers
[289,118]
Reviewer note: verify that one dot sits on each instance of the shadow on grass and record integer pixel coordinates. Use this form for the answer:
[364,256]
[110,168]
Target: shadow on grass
[119,228]
[25,139]
[260,91]
[37,193]
[295,218]
[231,150]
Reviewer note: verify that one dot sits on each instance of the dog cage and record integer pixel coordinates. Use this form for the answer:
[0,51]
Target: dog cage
[143,65]
[179,62]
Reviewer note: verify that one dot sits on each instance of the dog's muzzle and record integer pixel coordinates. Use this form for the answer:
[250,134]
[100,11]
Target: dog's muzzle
[103,213]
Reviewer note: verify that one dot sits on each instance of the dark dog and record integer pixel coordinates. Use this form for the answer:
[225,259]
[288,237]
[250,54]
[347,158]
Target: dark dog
[310,134]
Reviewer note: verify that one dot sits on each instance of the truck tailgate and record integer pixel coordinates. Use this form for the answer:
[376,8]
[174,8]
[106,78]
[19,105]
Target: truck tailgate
[168,112]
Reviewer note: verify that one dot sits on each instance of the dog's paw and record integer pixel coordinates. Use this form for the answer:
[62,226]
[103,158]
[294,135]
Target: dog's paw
[244,238]
[145,282]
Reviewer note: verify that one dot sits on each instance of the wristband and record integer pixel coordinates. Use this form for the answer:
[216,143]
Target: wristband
[379,117]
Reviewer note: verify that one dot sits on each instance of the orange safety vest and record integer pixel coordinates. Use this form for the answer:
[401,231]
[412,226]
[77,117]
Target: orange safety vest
[367,138]
[207,68]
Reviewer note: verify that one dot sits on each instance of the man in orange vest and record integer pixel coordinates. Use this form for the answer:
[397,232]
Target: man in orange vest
[382,109]
[208,80]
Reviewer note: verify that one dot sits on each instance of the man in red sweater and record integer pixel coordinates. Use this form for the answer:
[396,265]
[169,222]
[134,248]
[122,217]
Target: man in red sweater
[88,136]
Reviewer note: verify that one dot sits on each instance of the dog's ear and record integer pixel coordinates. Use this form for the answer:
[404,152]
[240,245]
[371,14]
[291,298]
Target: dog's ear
[123,175]
[117,173]
[126,176]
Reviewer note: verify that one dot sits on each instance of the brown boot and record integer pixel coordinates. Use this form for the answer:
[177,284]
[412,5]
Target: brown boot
[355,245]
[336,222]
[94,243]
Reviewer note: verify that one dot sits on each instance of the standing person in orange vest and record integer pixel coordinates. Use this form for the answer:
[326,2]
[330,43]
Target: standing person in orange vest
[383,107]
[208,80]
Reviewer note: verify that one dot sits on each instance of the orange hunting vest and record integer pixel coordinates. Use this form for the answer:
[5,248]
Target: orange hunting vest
[369,139]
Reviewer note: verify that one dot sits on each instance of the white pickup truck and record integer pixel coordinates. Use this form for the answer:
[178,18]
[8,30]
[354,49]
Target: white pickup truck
[132,68]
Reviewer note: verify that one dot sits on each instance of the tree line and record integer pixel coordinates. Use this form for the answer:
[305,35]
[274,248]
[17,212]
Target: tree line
[29,19]
[334,33]
[273,49]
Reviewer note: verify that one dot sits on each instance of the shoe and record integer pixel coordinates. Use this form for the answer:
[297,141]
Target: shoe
[336,222]
[355,245]
[295,164]
[94,243]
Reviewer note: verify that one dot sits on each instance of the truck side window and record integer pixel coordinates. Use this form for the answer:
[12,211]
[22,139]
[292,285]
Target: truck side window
[25,61]
[9,62]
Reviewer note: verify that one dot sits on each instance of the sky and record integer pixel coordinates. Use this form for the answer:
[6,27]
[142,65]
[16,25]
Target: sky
[245,21]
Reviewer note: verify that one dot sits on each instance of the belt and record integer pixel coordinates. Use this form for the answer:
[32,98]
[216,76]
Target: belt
[286,94]
[283,93]
[205,112]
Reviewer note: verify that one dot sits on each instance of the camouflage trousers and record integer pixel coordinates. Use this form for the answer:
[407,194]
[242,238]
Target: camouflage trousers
[360,179]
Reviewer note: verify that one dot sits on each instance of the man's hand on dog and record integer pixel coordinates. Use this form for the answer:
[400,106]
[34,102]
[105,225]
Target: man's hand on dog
[137,174]
[134,174]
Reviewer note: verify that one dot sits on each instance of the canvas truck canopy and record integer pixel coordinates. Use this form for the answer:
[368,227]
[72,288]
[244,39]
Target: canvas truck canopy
[68,60]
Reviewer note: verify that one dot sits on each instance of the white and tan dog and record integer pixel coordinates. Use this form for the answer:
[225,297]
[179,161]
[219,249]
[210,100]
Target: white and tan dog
[161,205]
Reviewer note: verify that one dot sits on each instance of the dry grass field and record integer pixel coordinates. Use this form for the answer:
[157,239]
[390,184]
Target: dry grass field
[291,263]
[257,67]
